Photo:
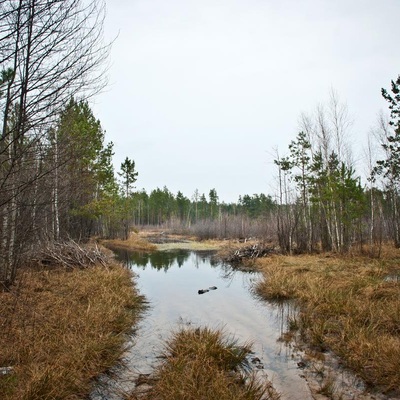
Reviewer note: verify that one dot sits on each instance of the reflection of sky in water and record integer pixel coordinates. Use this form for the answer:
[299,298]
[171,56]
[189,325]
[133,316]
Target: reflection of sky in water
[172,290]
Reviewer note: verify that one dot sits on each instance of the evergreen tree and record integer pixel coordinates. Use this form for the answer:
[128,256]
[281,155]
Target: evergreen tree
[389,168]
[80,164]
[213,202]
[328,199]
[183,206]
[129,175]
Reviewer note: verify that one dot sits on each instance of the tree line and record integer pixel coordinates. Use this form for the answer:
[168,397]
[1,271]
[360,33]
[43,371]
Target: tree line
[320,204]
[161,206]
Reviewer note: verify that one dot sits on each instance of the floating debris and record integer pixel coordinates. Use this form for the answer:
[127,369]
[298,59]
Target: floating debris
[257,363]
[202,291]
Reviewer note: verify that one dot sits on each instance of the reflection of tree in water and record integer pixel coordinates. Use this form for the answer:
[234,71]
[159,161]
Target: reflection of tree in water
[158,260]
[164,260]
[205,257]
[228,271]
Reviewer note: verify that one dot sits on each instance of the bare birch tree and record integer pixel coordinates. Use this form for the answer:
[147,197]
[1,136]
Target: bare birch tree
[49,51]
[328,195]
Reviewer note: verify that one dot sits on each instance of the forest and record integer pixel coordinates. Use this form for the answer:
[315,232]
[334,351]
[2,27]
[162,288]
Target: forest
[57,178]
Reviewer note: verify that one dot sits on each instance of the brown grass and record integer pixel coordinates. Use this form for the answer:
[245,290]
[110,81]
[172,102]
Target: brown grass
[204,364]
[346,306]
[177,240]
[135,242]
[60,329]
[141,241]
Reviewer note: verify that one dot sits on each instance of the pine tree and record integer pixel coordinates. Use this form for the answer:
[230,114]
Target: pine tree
[129,175]
[390,167]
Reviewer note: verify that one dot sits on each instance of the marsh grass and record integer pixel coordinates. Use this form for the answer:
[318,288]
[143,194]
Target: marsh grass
[200,363]
[328,388]
[61,328]
[345,306]
[135,242]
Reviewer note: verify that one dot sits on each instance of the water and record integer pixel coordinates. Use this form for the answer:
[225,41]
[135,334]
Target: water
[171,280]
[392,278]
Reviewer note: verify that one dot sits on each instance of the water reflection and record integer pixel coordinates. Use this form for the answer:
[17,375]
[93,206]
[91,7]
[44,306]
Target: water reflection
[392,278]
[163,260]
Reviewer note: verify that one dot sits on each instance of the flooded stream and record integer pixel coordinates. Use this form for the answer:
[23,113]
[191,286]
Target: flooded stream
[171,281]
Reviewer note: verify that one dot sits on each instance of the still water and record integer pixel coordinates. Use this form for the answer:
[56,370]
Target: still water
[170,281]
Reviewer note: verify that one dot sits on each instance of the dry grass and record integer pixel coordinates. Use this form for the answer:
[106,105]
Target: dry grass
[346,306]
[142,242]
[60,329]
[135,242]
[180,241]
[160,232]
[206,245]
[204,364]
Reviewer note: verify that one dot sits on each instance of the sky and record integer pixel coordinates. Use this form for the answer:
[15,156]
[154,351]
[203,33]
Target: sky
[203,93]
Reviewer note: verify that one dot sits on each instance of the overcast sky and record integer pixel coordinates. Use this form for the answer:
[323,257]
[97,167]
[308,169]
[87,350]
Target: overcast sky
[202,91]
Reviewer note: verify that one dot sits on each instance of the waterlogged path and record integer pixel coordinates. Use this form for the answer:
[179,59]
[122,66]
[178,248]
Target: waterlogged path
[171,280]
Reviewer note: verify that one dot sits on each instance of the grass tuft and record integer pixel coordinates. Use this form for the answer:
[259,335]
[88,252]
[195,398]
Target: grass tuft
[203,364]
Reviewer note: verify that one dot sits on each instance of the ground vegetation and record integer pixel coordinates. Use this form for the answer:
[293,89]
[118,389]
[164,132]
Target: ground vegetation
[64,323]
[347,304]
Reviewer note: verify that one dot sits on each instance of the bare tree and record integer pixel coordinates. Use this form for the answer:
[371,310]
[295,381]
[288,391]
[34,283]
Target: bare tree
[49,52]
[340,122]
[376,219]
